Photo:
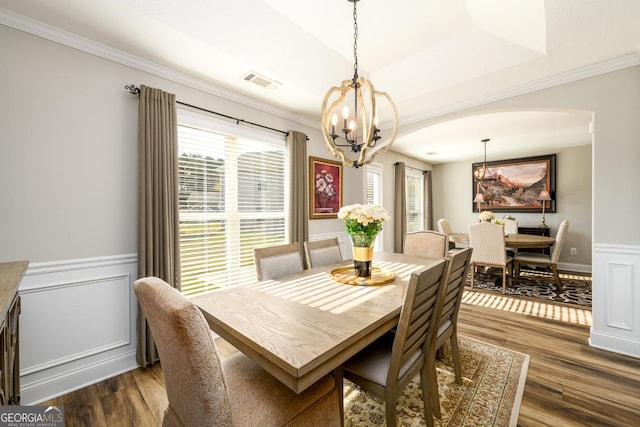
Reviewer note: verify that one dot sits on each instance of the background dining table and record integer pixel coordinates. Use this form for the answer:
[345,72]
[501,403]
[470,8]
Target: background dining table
[514,241]
[305,325]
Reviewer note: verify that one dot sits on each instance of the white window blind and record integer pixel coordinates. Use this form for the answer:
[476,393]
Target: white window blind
[232,199]
[415,202]
[374,194]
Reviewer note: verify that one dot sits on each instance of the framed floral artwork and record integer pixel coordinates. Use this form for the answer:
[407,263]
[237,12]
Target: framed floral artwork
[325,188]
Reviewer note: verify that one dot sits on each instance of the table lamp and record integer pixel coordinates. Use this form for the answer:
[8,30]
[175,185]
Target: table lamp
[544,197]
[479,199]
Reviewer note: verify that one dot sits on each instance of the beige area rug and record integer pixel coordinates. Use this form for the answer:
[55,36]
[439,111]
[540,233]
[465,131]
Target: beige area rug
[493,381]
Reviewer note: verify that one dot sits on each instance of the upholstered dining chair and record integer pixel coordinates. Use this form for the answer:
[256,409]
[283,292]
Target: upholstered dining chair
[277,261]
[426,243]
[451,297]
[487,241]
[510,225]
[444,227]
[549,261]
[385,367]
[322,252]
[203,391]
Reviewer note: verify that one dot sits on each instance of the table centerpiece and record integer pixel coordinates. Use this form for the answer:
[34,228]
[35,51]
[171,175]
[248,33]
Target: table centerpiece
[363,223]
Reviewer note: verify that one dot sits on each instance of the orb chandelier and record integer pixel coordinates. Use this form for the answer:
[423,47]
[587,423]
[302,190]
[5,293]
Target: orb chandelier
[359,133]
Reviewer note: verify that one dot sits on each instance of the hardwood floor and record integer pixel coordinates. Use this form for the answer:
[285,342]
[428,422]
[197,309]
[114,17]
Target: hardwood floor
[569,383]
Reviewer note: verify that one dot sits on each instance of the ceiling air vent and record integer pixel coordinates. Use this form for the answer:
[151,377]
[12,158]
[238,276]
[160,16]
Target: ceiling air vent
[261,80]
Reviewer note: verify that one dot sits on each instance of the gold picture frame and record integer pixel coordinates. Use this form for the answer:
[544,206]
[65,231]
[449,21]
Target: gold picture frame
[325,188]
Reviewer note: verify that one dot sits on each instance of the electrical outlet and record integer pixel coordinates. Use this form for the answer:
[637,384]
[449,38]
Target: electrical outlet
[574,251]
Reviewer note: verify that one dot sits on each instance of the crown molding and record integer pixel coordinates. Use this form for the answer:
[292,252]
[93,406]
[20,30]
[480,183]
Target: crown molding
[49,32]
[616,64]
[66,38]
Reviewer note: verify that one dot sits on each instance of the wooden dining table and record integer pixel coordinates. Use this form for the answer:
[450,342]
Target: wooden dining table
[514,241]
[305,325]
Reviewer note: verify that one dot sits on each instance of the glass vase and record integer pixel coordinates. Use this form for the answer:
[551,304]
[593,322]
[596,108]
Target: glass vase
[362,253]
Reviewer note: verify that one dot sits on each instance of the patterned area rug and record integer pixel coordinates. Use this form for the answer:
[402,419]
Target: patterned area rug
[493,381]
[539,284]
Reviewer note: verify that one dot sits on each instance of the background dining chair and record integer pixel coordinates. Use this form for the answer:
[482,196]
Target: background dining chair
[487,241]
[277,261]
[510,225]
[426,243]
[203,391]
[386,366]
[451,298]
[322,252]
[550,261]
[444,227]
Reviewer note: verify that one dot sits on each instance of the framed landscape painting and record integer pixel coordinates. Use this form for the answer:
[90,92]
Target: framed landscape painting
[515,185]
[325,188]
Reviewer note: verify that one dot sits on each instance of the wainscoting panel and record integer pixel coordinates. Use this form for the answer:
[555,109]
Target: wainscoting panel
[616,299]
[77,324]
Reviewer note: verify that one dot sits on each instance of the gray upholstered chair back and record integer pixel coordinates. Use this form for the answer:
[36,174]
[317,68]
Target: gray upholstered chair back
[193,374]
[426,243]
[322,252]
[277,261]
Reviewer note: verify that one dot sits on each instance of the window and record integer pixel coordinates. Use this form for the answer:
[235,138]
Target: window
[374,194]
[415,200]
[231,200]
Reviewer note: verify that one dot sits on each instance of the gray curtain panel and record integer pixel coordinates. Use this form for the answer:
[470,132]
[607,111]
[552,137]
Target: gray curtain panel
[158,232]
[399,208]
[299,224]
[428,201]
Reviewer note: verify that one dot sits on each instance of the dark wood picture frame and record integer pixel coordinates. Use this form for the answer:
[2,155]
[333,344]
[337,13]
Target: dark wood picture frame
[519,185]
[325,188]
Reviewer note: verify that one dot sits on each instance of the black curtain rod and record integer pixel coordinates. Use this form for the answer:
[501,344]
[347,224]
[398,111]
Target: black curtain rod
[136,91]
[410,167]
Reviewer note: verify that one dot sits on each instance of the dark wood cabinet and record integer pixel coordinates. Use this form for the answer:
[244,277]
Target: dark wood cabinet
[10,276]
[538,231]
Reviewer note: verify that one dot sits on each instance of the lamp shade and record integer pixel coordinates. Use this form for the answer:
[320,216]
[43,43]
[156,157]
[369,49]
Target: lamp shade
[544,196]
[479,198]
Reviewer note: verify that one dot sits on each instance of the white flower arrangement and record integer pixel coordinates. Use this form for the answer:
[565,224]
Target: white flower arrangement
[363,219]
[487,216]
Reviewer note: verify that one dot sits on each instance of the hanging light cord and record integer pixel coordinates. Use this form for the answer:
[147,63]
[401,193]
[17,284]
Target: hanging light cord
[355,41]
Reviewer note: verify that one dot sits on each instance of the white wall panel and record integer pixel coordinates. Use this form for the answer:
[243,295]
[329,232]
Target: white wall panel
[77,324]
[616,299]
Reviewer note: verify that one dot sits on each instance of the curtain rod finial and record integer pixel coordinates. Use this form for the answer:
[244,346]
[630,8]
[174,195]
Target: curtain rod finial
[133,90]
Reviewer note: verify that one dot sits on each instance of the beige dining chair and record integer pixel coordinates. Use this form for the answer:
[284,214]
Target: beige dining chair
[386,366]
[451,298]
[277,261]
[322,252]
[203,391]
[444,227]
[539,259]
[426,243]
[510,225]
[487,241]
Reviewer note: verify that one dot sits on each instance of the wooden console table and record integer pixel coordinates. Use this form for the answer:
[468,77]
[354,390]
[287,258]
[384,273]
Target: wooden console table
[10,276]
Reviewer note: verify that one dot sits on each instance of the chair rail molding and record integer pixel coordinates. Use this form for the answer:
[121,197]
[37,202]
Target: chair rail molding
[616,300]
[78,324]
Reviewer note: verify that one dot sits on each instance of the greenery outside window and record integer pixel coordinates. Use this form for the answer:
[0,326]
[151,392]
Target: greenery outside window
[232,200]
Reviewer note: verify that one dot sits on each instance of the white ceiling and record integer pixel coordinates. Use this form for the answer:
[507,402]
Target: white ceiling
[431,56]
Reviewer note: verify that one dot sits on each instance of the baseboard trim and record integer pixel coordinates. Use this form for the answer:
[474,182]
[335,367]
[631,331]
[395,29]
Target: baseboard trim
[50,387]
